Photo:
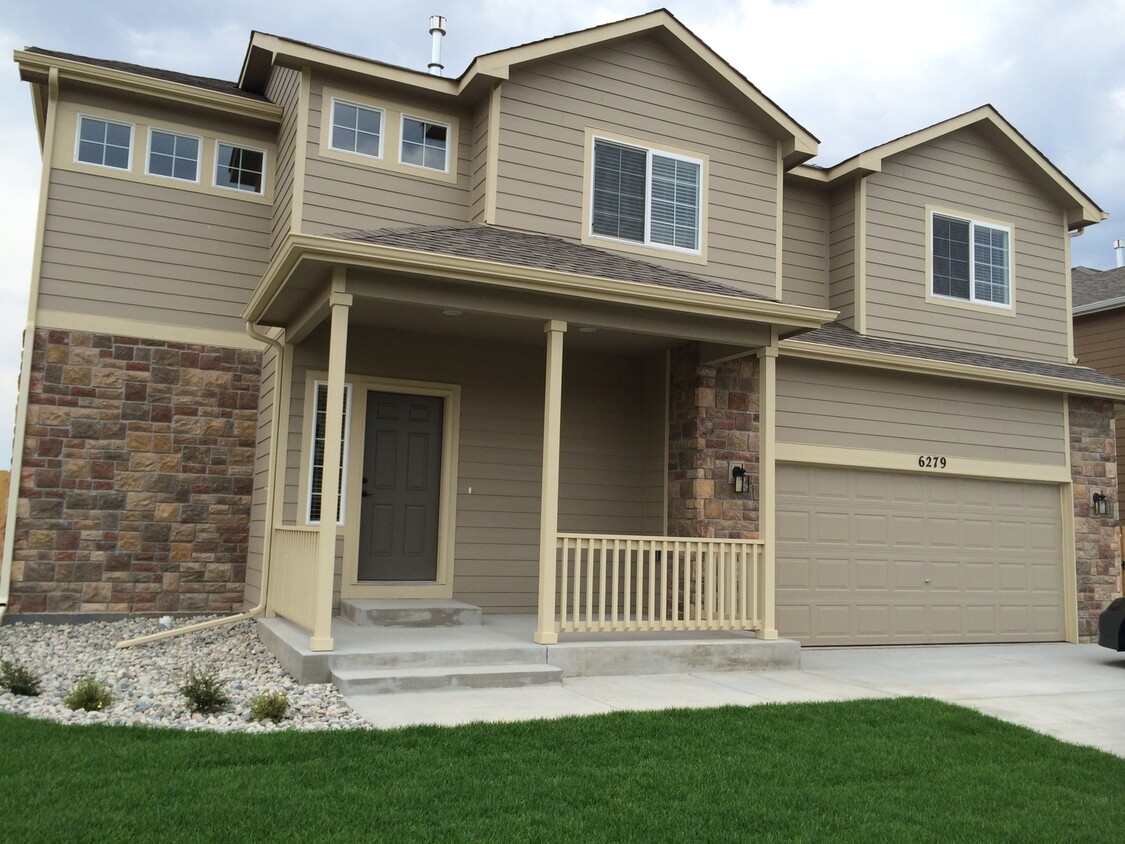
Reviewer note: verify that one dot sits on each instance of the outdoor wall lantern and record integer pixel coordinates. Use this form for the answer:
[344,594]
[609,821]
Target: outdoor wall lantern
[1101,505]
[740,478]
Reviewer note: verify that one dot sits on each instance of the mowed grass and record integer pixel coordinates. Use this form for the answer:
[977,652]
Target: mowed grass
[894,770]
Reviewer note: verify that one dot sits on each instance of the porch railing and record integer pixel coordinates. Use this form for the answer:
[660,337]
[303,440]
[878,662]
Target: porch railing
[639,583]
[292,590]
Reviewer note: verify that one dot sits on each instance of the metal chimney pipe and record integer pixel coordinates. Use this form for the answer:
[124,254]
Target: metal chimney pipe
[1119,248]
[437,30]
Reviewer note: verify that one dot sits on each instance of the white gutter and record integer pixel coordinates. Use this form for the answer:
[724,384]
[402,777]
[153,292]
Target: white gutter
[267,539]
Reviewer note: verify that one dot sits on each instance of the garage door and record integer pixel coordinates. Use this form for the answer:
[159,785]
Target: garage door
[881,558]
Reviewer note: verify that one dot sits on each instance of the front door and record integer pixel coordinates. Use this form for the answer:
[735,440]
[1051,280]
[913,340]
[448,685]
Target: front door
[398,532]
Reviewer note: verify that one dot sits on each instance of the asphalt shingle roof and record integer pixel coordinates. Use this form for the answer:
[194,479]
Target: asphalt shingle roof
[1088,287]
[836,334]
[206,82]
[505,246]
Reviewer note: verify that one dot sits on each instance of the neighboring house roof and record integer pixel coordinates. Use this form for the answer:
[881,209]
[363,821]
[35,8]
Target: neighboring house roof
[206,82]
[1096,290]
[506,246]
[838,335]
[1081,210]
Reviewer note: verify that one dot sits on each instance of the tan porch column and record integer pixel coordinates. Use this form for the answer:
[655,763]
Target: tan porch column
[767,486]
[330,479]
[549,501]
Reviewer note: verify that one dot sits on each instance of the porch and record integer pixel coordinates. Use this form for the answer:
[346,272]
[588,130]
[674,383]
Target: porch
[384,647]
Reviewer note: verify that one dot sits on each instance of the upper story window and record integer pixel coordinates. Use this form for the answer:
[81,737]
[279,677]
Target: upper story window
[174,156]
[239,168]
[971,261]
[357,129]
[104,142]
[425,144]
[646,196]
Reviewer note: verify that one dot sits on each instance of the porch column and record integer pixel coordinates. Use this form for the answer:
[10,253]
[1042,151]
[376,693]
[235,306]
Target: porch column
[549,500]
[321,640]
[767,487]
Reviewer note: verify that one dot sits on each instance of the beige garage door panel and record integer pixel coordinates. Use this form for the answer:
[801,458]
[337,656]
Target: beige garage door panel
[880,558]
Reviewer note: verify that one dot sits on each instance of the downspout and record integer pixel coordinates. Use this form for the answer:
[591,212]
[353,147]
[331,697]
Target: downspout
[267,538]
[20,429]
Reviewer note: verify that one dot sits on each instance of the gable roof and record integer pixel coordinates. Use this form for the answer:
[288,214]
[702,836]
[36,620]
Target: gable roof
[1096,290]
[1081,210]
[798,144]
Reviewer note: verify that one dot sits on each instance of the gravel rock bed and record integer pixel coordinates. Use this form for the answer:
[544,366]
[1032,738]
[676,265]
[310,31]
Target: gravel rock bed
[145,680]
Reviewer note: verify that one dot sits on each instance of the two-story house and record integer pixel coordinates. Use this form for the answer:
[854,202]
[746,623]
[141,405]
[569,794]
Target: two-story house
[577,333]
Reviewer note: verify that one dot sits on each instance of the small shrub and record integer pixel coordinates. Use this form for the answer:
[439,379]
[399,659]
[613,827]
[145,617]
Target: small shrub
[272,705]
[90,694]
[19,679]
[204,691]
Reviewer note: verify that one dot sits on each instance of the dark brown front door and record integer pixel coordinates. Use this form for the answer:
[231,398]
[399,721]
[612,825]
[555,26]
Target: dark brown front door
[401,480]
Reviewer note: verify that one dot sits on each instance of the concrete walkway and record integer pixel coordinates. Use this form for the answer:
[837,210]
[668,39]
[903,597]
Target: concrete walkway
[1073,692]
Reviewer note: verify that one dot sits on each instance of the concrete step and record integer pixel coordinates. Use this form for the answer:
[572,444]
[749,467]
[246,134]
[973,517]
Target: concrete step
[421,657]
[409,613]
[368,682]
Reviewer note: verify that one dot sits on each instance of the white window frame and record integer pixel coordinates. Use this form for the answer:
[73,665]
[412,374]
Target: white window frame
[344,447]
[78,142]
[649,151]
[974,224]
[198,155]
[235,145]
[382,128]
[426,121]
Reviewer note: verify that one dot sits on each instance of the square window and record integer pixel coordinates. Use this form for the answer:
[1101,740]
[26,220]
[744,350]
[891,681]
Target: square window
[173,156]
[357,129]
[240,168]
[424,144]
[646,196]
[970,261]
[104,142]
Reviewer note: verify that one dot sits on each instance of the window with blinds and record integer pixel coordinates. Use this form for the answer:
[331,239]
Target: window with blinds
[971,261]
[316,470]
[646,196]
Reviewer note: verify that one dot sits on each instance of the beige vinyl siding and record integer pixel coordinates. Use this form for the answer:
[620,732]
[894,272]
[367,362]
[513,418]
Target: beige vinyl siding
[341,195]
[842,253]
[284,88]
[267,399]
[637,89]
[143,251]
[855,407]
[967,173]
[805,246]
[606,467]
[478,178]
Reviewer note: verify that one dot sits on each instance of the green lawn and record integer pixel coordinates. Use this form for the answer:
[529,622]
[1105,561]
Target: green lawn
[904,770]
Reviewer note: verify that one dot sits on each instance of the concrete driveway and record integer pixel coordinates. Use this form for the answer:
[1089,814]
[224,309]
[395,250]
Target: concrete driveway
[1073,692]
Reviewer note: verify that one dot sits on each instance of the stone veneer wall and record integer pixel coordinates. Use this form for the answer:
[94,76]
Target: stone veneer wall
[137,474]
[1093,462]
[713,420]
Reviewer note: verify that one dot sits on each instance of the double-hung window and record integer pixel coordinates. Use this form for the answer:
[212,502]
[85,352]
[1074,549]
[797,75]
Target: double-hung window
[971,261]
[173,156]
[319,443]
[104,142]
[357,129]
[646,196]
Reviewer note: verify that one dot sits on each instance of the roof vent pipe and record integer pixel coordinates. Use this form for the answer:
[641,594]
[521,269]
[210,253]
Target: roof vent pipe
[437,30]
[1119,248]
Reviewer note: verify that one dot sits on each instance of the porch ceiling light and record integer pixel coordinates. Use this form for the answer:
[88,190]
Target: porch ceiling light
[451,312]
[587,329]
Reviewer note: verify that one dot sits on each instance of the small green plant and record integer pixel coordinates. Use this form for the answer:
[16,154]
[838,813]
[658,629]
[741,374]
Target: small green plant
[19,679]
[272,705]
[204,691]
[90,694]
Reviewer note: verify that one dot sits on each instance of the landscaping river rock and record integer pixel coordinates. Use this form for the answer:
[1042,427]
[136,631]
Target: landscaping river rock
[145,680]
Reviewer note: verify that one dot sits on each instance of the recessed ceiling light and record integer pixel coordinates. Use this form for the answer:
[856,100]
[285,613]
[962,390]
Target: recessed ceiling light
[587,329]
[451,312]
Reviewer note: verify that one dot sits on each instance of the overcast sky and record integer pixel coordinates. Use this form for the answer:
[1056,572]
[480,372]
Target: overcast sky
[855,73]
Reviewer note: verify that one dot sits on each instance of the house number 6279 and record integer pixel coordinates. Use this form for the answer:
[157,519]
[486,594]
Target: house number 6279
[927,461]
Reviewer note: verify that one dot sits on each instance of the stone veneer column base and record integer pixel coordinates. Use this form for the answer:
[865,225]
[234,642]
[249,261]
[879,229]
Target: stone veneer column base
[1097,539]
[137,476]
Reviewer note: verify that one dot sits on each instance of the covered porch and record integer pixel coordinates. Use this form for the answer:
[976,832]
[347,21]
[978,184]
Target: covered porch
[619,517]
